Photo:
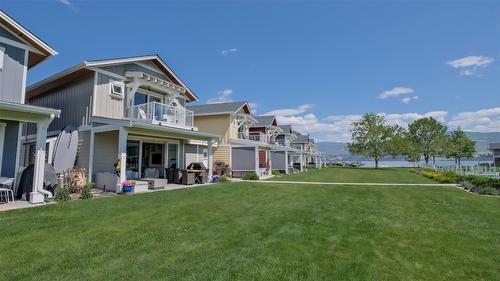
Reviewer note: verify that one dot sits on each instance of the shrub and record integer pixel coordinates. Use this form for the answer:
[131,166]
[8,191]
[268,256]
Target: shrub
[442,177]
[62,194]
[223,179]
[251,176]
[220,168]
[86,192]
[489,190]
[276,172]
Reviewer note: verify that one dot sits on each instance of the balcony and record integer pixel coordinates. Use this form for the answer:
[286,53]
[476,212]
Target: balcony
[253,136]
[162,114]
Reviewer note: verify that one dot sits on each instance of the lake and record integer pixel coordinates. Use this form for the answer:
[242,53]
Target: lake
[402,163]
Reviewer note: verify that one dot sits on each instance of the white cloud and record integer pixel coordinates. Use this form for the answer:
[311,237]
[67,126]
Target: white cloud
[407,100]
[222,96]
[290,111]
[395,92]
[470,65]
[68,4]
[484,120]
[228,51]
[253,107]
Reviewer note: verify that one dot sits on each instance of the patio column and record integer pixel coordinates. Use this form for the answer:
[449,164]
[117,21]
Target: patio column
[301,162]
[286,161]
[257,160]
[209,158]
[37,194]
[122,153]
[270,159]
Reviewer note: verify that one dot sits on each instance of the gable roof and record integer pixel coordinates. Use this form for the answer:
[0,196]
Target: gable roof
[287,129]
[265,121]
[38,50]
[301,138]
[83,67]
[220,108]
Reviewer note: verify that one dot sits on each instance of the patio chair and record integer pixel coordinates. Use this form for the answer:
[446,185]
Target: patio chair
[152,173]
[177,176]
[6,185]
[142,114]
[188,178]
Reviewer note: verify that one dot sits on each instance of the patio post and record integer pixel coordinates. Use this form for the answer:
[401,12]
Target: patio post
[209,157]
[270,160]
[257,160]
[37,194]
[286,161]
[122,153]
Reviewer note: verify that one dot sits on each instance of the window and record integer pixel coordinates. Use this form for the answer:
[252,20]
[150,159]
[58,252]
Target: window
[2,53]
[116,89]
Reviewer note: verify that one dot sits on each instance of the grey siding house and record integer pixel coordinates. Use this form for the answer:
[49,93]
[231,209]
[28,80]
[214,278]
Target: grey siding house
[128,110]
[19,51]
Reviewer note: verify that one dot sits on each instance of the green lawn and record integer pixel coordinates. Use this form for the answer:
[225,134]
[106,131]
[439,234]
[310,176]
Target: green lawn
[258,231]
[362,175]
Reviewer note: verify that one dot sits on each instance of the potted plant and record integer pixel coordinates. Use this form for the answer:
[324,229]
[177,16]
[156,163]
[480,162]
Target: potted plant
[215,178]
[127,186]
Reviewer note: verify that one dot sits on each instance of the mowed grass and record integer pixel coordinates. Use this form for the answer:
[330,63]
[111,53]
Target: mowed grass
[356,175]
[258,231]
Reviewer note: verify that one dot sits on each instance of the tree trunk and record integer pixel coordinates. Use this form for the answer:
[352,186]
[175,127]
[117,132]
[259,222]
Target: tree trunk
[426,158]
[376,162]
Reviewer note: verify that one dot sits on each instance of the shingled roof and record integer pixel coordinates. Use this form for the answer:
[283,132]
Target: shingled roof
[265,121]
[218,108]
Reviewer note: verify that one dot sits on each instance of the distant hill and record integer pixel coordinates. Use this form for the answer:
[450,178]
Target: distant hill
[338,149]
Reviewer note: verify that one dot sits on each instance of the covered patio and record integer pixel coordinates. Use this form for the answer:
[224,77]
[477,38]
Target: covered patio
[12,117]
[148,153]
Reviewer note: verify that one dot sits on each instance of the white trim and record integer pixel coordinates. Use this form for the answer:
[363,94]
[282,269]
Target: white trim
[27,33]
[107,73]
[2,137]
[20,45]
[150,68]
[25,76]
[91,155]
[94,94]
[112,91]
[2,55]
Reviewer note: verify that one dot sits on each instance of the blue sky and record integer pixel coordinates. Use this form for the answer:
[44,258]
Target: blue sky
[317,65]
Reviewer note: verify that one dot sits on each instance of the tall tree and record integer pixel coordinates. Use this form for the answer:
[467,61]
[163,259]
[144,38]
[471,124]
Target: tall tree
[427,134]
[372,137]
[460,146]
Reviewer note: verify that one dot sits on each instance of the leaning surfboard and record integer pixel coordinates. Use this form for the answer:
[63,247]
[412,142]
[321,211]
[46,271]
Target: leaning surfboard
[65,149]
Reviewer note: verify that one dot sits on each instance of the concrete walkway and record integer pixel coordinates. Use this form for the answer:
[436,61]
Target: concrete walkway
[354,183]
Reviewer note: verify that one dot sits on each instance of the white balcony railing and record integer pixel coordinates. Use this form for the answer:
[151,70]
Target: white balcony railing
[257,136]
[253,136]
[159,112]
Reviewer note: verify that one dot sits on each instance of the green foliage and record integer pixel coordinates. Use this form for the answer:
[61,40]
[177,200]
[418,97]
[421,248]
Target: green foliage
[460,146]
[489,191]
[86,192]
[276,172]
[62,194]
[477,184]
[428,136]
[446,177]
[373,138]
[223,179]
[251,176]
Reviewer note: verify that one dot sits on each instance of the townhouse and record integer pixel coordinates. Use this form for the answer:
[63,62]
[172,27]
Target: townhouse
[253,143]
[21,50]
[128,110]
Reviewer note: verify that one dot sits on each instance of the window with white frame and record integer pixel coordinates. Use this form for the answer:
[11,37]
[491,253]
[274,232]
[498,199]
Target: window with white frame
[116,89]
[2,54]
